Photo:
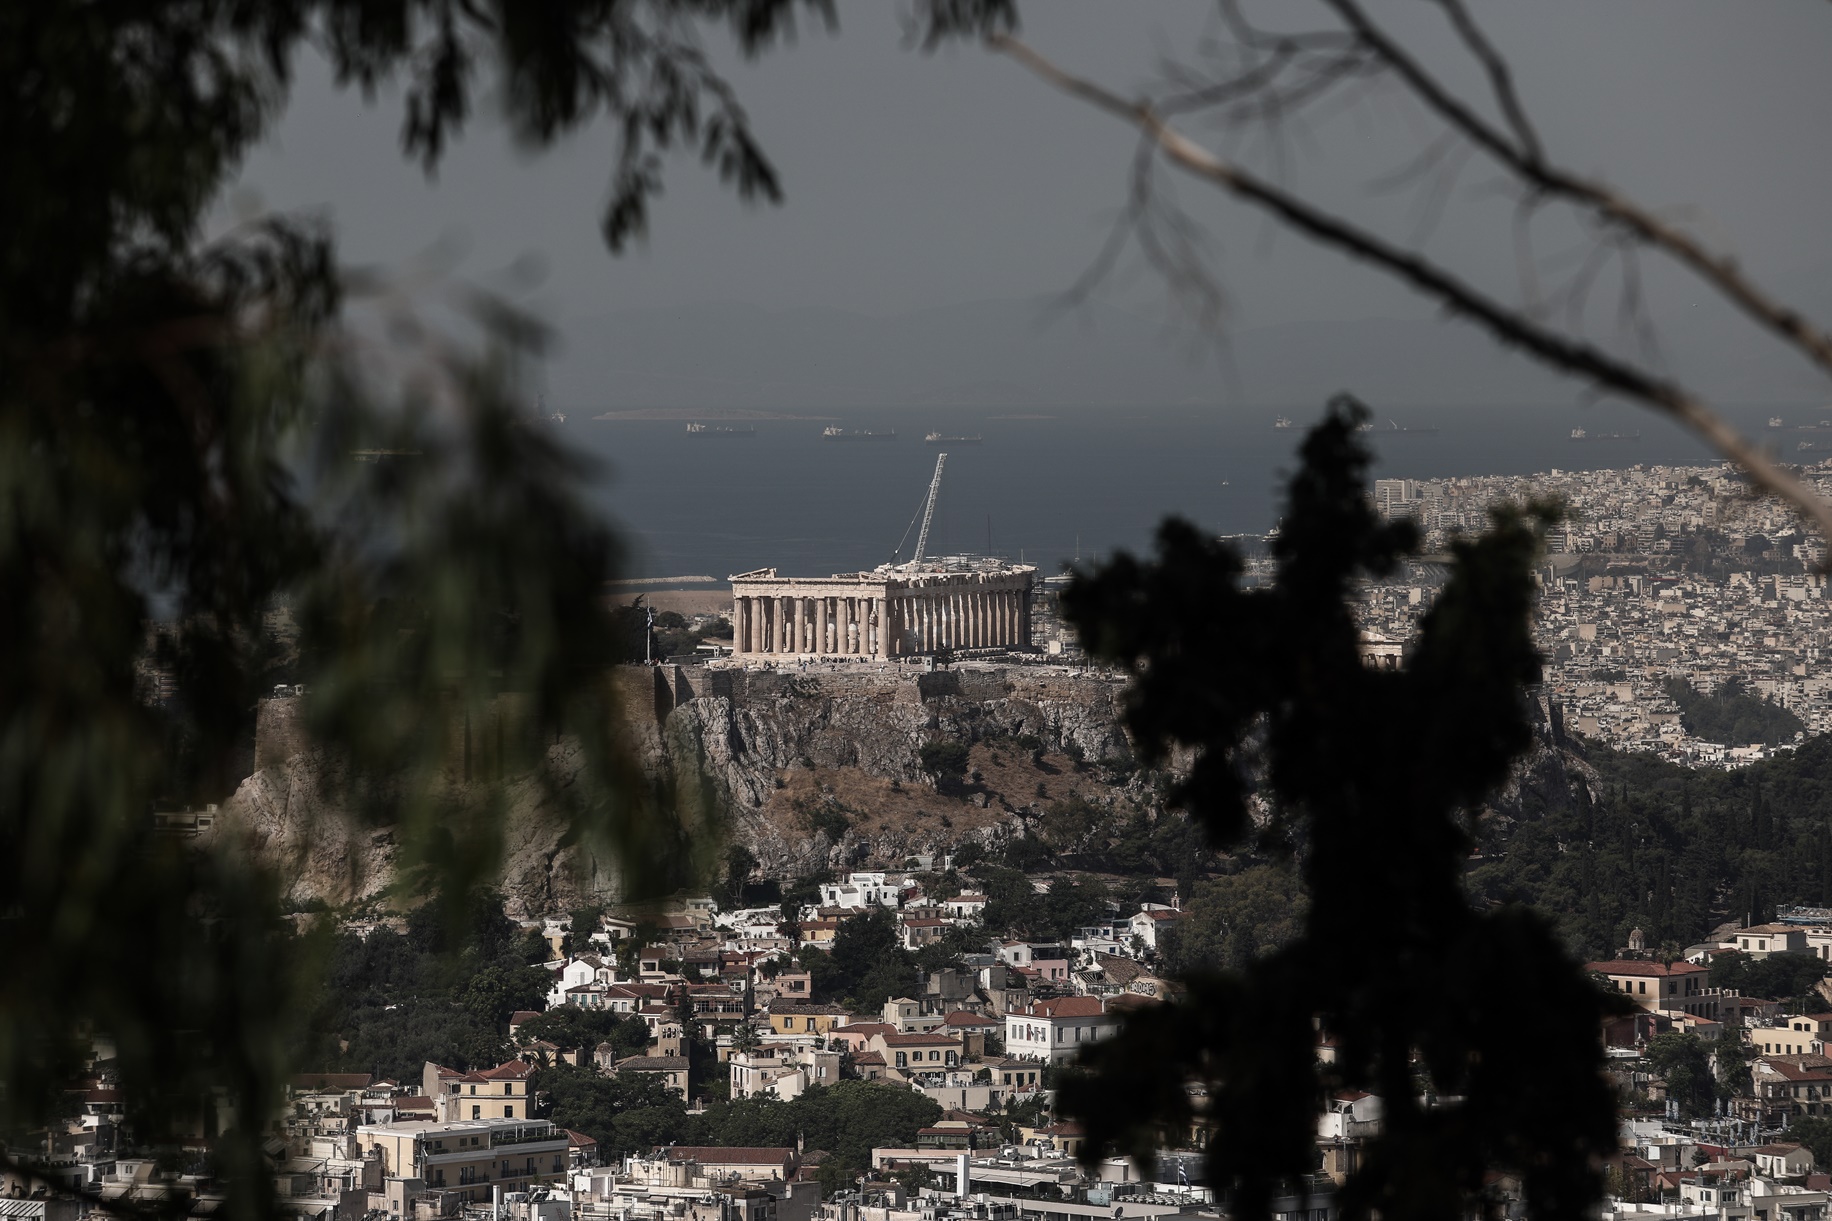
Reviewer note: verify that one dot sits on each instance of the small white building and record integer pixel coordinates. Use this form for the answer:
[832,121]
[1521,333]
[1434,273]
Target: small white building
[860,891]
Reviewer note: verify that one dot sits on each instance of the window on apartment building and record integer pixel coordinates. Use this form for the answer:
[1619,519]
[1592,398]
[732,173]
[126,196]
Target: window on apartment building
[473,1089]
[476,1112]
[508,1112]
[1644,987]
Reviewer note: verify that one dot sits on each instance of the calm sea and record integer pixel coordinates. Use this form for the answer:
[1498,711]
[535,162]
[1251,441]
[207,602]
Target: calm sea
[1043,490]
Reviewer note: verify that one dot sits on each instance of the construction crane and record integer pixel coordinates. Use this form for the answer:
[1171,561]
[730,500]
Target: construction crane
[928,510]
[926,513]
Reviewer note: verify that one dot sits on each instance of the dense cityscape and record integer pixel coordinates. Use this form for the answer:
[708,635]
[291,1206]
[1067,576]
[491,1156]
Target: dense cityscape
[754,610]
[1655,574]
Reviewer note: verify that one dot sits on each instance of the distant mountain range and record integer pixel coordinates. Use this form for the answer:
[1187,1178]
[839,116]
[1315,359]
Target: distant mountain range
[1014,353]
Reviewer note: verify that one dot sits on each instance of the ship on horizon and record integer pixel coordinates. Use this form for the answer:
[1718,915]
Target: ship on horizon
[938,438]
[1283,424]
[719,430]
[1393,429]
[834,432]
[1578,434]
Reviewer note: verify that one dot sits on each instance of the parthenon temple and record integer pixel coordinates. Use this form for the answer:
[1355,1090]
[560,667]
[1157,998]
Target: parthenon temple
[889,612]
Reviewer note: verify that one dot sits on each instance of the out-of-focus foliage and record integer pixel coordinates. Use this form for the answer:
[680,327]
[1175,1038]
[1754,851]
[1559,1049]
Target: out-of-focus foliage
[1681,1060]
[389,1002]
[634,1113]
[1369,772]
[1776,977]
[1236,918]
[1733,714]
[1672,851]
[866,965]
[177,423]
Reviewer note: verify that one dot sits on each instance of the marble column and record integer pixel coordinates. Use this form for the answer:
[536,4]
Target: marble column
[782,625]
[872,617]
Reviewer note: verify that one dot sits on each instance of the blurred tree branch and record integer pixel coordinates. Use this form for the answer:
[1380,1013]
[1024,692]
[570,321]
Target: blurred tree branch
[1277,77]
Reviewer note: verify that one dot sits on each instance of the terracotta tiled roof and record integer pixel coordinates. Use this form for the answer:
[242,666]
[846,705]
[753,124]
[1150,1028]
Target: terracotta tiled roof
[962,1019]
[1065,1007]
[1632,966]
[508,1070]
[919,1040]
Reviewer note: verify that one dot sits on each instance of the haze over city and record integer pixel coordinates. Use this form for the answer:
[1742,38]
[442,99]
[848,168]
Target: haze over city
[1222,613]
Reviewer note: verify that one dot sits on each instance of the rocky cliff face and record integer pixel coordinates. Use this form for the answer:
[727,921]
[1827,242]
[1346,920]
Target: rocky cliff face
[807,771]
[767,751]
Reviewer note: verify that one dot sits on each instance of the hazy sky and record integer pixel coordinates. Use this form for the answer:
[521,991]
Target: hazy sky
[915,181]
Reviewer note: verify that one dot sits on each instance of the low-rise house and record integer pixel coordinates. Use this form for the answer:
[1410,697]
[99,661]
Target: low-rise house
[1791,1036]
[908,1015]
[1149,925]
[469,1158]
[916,932]
[857,1036]
[819,933]
[791,985]
[1793,1085]
[917,1052]
[738,1163]
[968,906]
[1782,1161]
[862,890]
[781,1070]
[972,1029]
[1762,940]
[1655,985]
[869,1066]
[1057,1029]
[1062,1138]
[671,1071]
[1013,1075]
[491,1093]
[805,1017]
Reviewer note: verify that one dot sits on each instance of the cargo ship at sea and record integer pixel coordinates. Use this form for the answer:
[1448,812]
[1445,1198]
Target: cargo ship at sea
[1578,434]
[719,430]
[835,433]
[937,438]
